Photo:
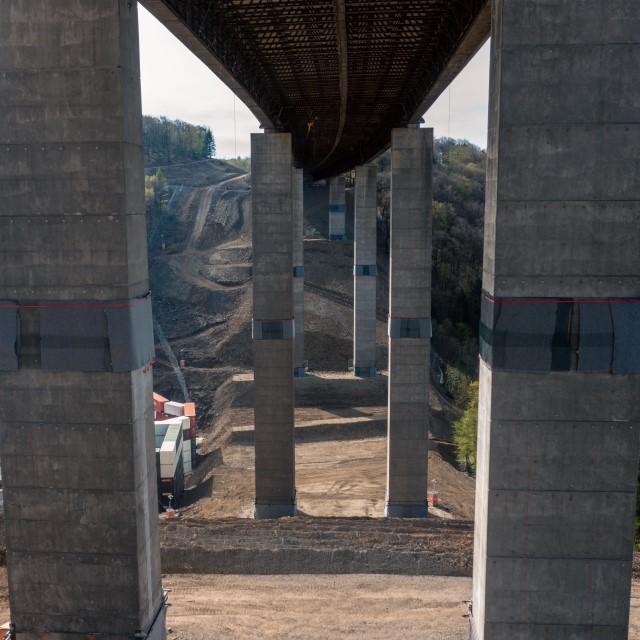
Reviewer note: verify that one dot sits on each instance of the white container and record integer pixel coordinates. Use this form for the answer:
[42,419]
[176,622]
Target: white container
[174,408]
[163,426]
[187,463]
[167,470]
[170,421]
[174,434]
[186,454]
[167,454]
[171,448]
[186,427]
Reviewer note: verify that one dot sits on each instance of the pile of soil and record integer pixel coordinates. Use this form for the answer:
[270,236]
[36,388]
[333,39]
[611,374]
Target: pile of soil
[317,545]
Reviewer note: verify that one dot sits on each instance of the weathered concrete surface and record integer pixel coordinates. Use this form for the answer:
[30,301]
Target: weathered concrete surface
[337,209]
[558,451]
[272,211]
[365,270]
[298,270]
[409,301]
[77,448]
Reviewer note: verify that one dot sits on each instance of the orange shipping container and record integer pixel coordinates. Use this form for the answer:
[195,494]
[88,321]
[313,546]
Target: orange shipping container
[158,402]
[190,409]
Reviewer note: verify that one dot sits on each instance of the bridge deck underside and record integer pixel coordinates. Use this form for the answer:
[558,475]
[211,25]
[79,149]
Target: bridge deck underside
[337,74]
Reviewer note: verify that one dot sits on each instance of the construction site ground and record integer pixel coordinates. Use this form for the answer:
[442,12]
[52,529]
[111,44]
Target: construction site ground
[339,569]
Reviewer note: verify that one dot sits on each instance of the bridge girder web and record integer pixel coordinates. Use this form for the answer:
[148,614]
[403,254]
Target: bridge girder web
[337,74]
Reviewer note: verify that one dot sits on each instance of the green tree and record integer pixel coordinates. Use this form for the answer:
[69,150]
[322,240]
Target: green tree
[241,163]
[458,384]
[465,431]
[156,193]
[167,141]
[208,144]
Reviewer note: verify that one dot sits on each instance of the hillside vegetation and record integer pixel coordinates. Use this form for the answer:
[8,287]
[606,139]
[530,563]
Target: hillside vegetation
[168,141]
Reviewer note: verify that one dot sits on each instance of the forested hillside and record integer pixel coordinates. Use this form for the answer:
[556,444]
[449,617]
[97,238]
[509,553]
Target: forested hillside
[167,141]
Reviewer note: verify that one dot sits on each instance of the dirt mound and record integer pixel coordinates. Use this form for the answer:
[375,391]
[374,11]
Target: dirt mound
[317,545]
[200,173]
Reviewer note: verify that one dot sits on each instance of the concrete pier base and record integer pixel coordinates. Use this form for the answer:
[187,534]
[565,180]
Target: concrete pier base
[412,510]
[409,322]
[365,372]
[298,271]
[273,323]
[76,409]
[559,417]
[364,273]
[337,209]
[264,511]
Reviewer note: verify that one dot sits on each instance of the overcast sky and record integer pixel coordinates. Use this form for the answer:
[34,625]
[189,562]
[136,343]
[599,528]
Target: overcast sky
[177,85]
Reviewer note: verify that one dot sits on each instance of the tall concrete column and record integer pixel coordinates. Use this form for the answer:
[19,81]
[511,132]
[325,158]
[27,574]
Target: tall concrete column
[365,271]
[560,369]
[298,271]
[337,209]
[273,324]
[409,322]
[76,409]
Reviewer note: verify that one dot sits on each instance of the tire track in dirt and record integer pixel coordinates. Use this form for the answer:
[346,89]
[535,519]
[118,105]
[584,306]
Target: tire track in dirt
[185,260]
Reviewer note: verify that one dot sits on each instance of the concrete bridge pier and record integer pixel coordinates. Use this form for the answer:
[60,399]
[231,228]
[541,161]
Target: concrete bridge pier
[409,322]
[298,270]
[273,323]
[76,410]
[559,414]
[365,271]
[337,209]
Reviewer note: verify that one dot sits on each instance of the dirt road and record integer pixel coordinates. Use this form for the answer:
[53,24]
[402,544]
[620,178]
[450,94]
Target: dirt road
[357,607]
[319,607]
[369,607]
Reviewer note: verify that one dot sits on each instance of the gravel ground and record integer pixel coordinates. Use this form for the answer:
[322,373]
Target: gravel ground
[367,607]
[310,607]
